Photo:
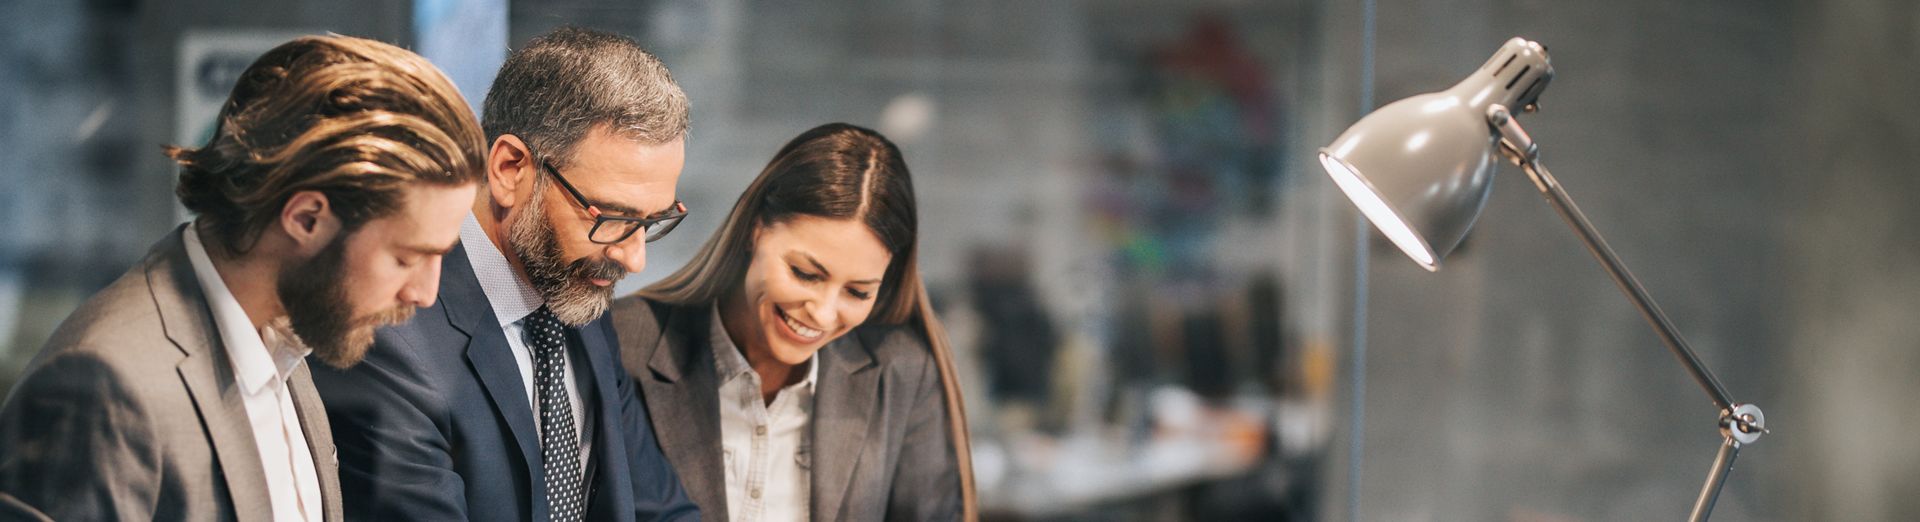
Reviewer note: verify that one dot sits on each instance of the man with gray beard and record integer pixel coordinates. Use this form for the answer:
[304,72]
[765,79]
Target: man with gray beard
[507,400]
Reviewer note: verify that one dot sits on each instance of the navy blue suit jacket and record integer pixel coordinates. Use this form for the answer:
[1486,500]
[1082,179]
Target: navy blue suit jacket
[435,423]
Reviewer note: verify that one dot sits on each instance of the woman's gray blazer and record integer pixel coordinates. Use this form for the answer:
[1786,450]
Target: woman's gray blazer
[881,449]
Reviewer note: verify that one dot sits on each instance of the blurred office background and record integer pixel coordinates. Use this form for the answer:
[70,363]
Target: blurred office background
[1164,309]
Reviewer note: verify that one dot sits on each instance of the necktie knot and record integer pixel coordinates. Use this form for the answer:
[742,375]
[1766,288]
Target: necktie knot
[548,335]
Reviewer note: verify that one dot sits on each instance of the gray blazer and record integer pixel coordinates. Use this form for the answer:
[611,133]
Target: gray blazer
[131,412]
[880,451]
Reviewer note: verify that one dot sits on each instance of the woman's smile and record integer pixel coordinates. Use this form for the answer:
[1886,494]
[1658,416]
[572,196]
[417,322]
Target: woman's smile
[795,329]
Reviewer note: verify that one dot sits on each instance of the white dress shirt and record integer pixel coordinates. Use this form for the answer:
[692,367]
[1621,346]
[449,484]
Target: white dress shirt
[513,299]
[768,448]
[262,362]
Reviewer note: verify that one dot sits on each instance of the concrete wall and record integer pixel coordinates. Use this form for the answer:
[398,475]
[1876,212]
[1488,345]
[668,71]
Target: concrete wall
[1752,163]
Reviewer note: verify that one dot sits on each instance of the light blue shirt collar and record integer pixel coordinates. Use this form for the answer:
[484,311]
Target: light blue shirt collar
[511,296]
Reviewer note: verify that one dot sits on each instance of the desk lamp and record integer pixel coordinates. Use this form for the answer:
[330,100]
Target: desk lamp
[1420,170]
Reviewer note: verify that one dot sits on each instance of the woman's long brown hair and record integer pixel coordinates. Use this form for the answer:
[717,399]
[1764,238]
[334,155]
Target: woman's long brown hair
[836,171]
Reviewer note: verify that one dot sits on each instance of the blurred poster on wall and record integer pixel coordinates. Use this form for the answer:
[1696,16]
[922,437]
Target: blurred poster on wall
[1190,148]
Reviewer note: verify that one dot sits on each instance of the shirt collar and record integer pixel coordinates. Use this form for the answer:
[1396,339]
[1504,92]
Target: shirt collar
[730,364]
[508,292]
[260,358]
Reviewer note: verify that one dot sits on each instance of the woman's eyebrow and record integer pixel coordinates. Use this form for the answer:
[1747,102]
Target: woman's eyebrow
[825,273]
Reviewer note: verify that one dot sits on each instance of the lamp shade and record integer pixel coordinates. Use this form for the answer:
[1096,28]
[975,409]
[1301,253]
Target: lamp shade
[1420,168]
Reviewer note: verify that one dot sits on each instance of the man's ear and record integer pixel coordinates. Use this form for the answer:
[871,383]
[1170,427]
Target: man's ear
[309,221]
[510,167]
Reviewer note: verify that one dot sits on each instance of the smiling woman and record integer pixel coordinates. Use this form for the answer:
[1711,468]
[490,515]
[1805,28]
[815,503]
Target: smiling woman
[762,400]
[791,299]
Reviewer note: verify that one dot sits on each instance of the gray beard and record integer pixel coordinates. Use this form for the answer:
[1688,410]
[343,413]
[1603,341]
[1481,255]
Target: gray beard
[564,286]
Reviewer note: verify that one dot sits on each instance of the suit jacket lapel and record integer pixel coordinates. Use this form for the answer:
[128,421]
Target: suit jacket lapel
[683,398]
[208,375]
[313,422]
[492,361]
[844,402]
[608,473]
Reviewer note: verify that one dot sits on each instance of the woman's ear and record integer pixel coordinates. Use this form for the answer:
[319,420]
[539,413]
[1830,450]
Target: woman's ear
[309,221]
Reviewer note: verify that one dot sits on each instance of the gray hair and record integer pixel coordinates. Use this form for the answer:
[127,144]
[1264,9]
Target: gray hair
[564,83]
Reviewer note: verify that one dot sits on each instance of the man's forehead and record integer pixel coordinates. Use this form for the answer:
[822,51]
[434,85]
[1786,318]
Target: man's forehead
[628,177]
[428,221]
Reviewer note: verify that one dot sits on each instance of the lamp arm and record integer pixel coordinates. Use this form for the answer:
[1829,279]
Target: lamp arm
[1524,151]
[1628,283]
[1716,477]
[1740,424]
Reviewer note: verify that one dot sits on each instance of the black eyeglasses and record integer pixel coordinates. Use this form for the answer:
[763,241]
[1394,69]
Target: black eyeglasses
[611,229]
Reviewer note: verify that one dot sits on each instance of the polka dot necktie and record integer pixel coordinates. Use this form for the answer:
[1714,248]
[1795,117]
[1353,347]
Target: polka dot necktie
[559,442]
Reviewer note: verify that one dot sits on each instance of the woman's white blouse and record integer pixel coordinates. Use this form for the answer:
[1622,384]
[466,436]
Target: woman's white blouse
[767,447]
